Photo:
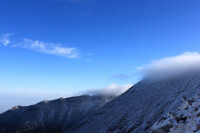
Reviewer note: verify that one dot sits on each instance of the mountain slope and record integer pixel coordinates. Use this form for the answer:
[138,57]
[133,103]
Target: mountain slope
[141,106]
[185,119]
[50,116]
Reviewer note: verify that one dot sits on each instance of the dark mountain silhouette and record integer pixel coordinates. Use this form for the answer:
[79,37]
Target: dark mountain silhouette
[50,116]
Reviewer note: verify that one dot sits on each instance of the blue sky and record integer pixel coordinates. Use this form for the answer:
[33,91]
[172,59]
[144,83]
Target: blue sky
[54,48]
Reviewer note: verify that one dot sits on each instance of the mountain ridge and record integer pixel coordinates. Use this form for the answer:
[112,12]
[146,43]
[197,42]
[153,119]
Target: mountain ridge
[51,116]
[136,110]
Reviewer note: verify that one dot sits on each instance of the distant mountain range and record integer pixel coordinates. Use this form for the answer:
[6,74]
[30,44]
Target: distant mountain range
[156,106]
[51,116]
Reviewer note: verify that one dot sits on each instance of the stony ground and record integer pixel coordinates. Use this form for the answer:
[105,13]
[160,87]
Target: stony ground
[186,119]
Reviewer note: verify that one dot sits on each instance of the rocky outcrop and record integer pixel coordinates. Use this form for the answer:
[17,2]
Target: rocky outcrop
[186,119]
[50,116]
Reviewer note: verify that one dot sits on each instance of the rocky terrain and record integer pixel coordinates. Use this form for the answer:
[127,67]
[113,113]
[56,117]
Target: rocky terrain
[50,116]
[186,119]
[141,106]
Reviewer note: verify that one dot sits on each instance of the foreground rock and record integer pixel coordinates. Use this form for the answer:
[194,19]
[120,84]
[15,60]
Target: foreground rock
[186,119]
[141,106]
[50,116]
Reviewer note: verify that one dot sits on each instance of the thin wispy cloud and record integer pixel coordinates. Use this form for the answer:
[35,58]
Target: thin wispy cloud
[42,47]
[4,40]
[112,89]
[90,54]
[170,66]
[48,48]
[122,76]
[139,68]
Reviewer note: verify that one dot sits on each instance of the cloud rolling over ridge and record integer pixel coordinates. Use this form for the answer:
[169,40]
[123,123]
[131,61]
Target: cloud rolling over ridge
[112,89]
[171,66]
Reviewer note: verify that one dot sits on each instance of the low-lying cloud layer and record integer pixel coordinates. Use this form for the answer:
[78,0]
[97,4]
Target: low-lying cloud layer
[171,66]
[42,47]
[112,89]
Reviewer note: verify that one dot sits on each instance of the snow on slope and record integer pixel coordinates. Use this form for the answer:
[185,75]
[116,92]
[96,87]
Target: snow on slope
[186,119]
[141,106]
[50,116]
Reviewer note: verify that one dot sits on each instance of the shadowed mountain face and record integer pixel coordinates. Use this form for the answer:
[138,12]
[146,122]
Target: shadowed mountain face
[50,116]
[141,106]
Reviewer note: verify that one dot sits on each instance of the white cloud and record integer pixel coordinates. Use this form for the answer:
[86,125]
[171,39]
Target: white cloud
[49,48]
[4,40]
[112,89]
[42,47]
[171,66]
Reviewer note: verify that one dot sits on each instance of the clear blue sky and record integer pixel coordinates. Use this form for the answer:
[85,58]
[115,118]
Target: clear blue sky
[112,38]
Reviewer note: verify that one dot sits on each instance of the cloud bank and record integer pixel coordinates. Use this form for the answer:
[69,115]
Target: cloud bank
[172,66]
[112,89]
[42,47]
